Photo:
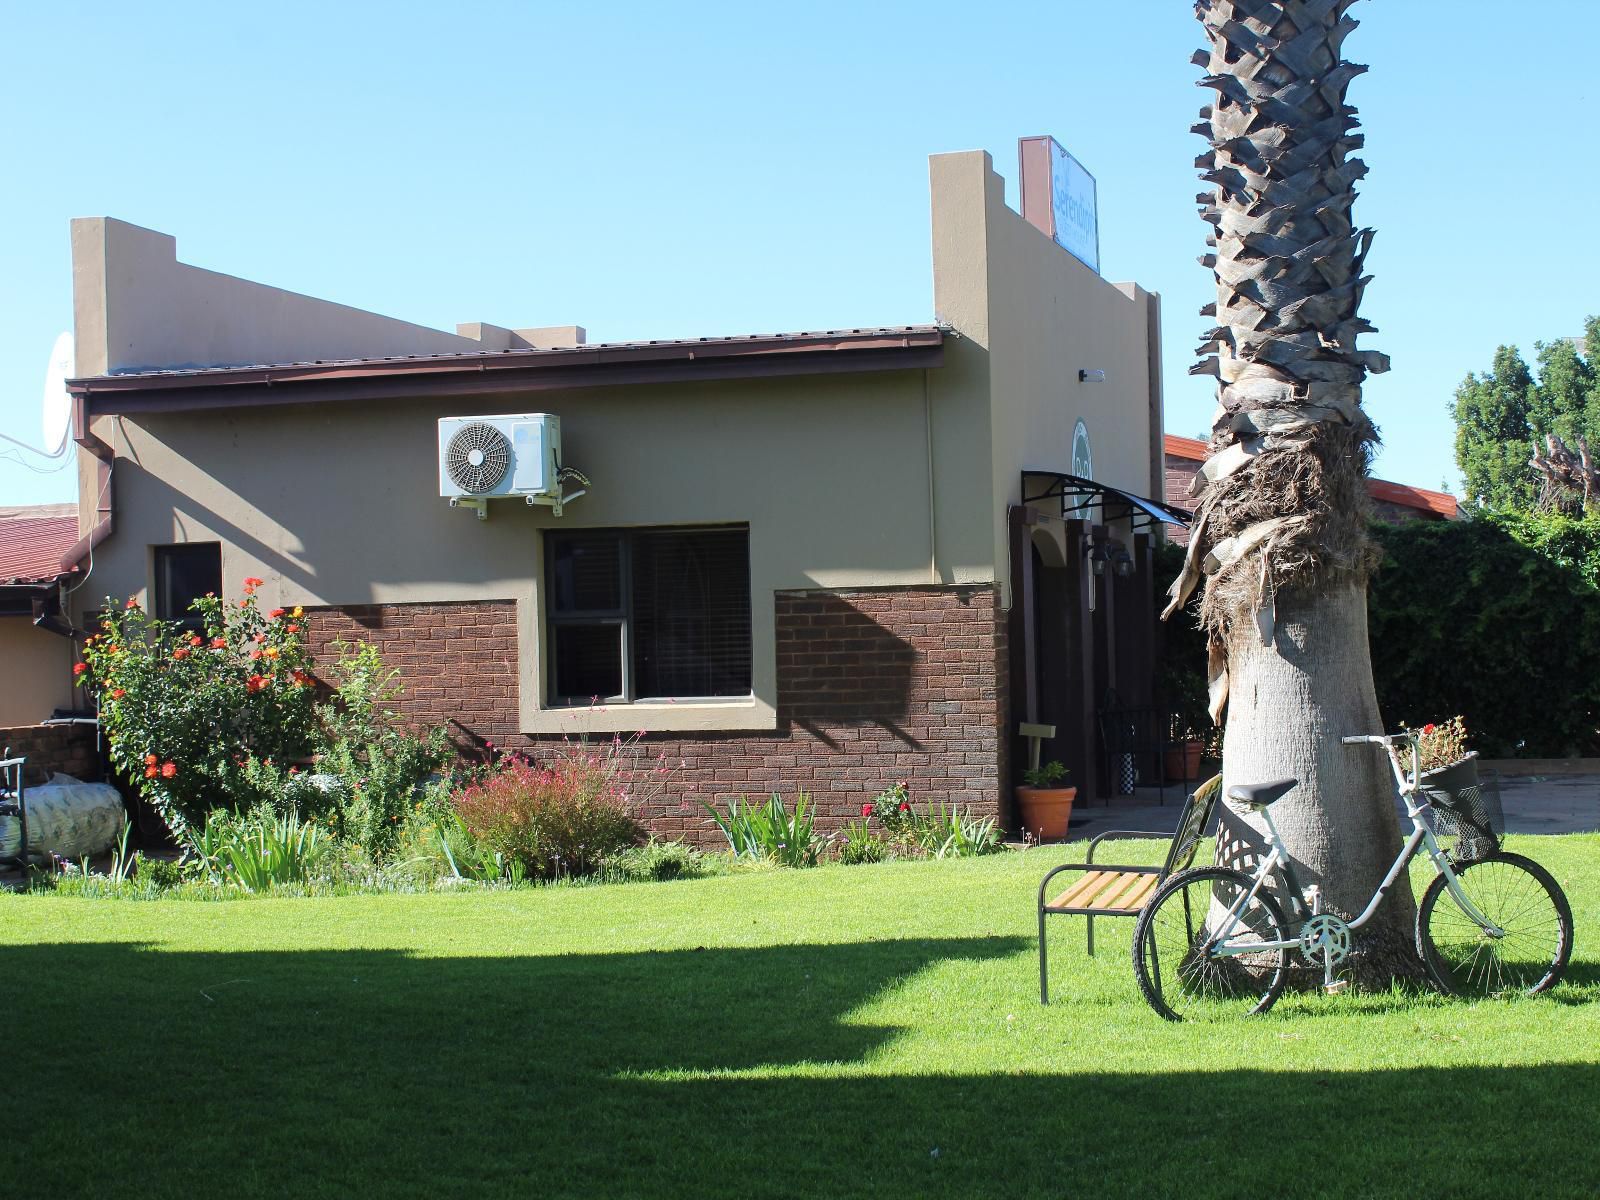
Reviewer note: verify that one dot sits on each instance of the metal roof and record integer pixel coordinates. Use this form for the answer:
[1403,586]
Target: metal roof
[33,541]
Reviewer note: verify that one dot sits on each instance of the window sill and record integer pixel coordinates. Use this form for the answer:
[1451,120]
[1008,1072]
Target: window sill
[689,716]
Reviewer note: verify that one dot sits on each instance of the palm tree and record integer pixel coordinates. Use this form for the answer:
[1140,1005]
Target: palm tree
[1280,530]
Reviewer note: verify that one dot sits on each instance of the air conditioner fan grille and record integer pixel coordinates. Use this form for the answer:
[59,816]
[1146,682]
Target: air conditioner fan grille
[477,457]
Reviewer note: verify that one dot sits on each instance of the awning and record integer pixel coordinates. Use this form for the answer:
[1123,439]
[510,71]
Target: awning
[1076,494]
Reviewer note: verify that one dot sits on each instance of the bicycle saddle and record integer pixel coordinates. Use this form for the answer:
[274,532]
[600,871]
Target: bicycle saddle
[1258,795]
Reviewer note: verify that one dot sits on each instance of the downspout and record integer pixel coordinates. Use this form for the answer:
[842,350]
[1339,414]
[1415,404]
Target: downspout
[104,509]
[933,519]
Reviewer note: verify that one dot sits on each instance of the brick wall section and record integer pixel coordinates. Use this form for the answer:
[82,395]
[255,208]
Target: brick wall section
[70,749]
[874,685]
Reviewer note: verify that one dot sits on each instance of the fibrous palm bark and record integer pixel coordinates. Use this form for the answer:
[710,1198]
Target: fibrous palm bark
[1279,536]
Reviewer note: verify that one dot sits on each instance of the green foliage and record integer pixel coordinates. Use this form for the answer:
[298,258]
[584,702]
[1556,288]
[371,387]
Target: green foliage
[259,849]
[162,874]
[378,761]
[184,711]
[948,832]
[1499,414]
[654,862]
[562,818]
[1498,619]
[1046,775]
[770,831]
[859,843]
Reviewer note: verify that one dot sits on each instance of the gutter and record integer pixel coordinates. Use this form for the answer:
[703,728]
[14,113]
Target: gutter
[104,517]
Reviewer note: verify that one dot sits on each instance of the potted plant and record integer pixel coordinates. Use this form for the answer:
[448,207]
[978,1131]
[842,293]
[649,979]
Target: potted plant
[1450,781]
[1043,803]
[1186,697]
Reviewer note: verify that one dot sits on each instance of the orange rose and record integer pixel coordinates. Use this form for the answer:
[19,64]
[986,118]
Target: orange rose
[150,760]
[117,693]
[168,770]
[151,772]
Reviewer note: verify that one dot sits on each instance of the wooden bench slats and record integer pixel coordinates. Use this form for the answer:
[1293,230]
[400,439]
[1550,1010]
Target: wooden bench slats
[1108,891]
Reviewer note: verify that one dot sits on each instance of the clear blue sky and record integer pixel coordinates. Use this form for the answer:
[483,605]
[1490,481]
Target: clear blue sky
[654,170]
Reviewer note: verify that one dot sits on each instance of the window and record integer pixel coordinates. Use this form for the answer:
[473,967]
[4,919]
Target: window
[184,574]
[648,613]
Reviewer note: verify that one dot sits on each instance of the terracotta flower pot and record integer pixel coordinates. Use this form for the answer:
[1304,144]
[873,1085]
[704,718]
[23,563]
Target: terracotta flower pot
[1182,762]
[1045,811]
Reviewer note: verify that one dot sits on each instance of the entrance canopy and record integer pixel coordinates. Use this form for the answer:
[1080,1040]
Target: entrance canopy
[1076,494]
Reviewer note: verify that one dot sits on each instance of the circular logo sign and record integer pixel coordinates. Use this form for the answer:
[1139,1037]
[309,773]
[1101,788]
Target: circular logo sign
[1082,457]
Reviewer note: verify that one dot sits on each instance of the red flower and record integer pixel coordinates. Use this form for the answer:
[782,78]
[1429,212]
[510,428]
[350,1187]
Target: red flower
[132,603]
[168,770]
[195,639]
[255,683]
[905,806]
[254,654]
[866,809]
[275,613]
[294,770]
[292,628]
[218,643]
[301,679]
[1427,729]
[252,582]
[151,772]
[244,604]
[150,760]
[181,652]
[117,693]
[79,668]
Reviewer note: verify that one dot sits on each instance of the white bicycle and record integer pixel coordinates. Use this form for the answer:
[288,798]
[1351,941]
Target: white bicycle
[1215,941]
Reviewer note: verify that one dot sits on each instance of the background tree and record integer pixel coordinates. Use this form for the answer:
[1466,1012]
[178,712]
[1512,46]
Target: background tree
[1494,433]
[1280,532]
[1506,417]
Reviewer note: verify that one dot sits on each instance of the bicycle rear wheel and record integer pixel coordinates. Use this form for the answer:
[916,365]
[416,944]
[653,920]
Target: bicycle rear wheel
[1176,963]
[1519,896]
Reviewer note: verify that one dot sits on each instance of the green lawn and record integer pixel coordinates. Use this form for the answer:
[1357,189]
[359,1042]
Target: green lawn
[842,1031]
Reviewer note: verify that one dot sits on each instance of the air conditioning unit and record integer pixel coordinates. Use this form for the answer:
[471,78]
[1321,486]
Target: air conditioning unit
[505,457]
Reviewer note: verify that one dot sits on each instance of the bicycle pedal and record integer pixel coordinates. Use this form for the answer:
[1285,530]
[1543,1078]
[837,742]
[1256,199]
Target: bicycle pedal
[1336,987]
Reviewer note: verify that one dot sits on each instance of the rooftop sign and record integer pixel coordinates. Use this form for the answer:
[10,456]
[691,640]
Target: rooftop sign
[1059,198]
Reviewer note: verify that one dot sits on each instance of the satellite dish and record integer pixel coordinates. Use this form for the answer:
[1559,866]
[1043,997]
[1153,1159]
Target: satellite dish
[57,409]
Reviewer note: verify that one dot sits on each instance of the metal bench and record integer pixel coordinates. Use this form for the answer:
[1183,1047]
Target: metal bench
[1105,890]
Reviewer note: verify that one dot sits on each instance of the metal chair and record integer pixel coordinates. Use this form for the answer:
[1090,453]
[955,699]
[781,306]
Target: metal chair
[1121,891]
[13,803]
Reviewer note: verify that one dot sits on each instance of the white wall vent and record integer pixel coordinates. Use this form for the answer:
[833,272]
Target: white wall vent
[505,457]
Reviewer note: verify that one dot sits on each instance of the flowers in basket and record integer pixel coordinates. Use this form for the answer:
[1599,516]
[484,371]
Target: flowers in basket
[1443,744]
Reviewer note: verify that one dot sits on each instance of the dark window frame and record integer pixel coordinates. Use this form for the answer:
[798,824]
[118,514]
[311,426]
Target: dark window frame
[162,606]
[624,617]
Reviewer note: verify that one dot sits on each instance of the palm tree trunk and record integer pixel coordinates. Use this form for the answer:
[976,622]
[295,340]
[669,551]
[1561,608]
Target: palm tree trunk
[1280,531]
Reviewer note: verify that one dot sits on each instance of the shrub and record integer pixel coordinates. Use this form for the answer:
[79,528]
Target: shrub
[184,711]
[654,862]
[1496,618]
[162,874]
[561,818]
[951,832]
[770,831]
[260,849]
[378,761]
[858,844]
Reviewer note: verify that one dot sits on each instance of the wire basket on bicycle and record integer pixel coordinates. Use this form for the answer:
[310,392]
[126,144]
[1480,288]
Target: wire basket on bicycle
[1470,822]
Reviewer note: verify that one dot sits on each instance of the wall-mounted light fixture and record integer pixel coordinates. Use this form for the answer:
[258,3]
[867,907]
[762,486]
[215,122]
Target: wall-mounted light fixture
[1098,556]
[1121,560]
[1091,376]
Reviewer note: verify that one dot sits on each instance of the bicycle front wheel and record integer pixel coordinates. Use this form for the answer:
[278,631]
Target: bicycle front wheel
[1524,901]
[1189,967]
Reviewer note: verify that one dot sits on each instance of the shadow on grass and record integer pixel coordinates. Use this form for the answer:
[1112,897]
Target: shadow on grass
[367,1073]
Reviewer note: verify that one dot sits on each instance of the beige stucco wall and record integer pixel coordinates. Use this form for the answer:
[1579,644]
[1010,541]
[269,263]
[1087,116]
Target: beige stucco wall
[135,306]
[338,504]
[1038,316]
[35,672]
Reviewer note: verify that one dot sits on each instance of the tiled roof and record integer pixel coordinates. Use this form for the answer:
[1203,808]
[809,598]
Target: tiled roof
[33,541]
[1440,503]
